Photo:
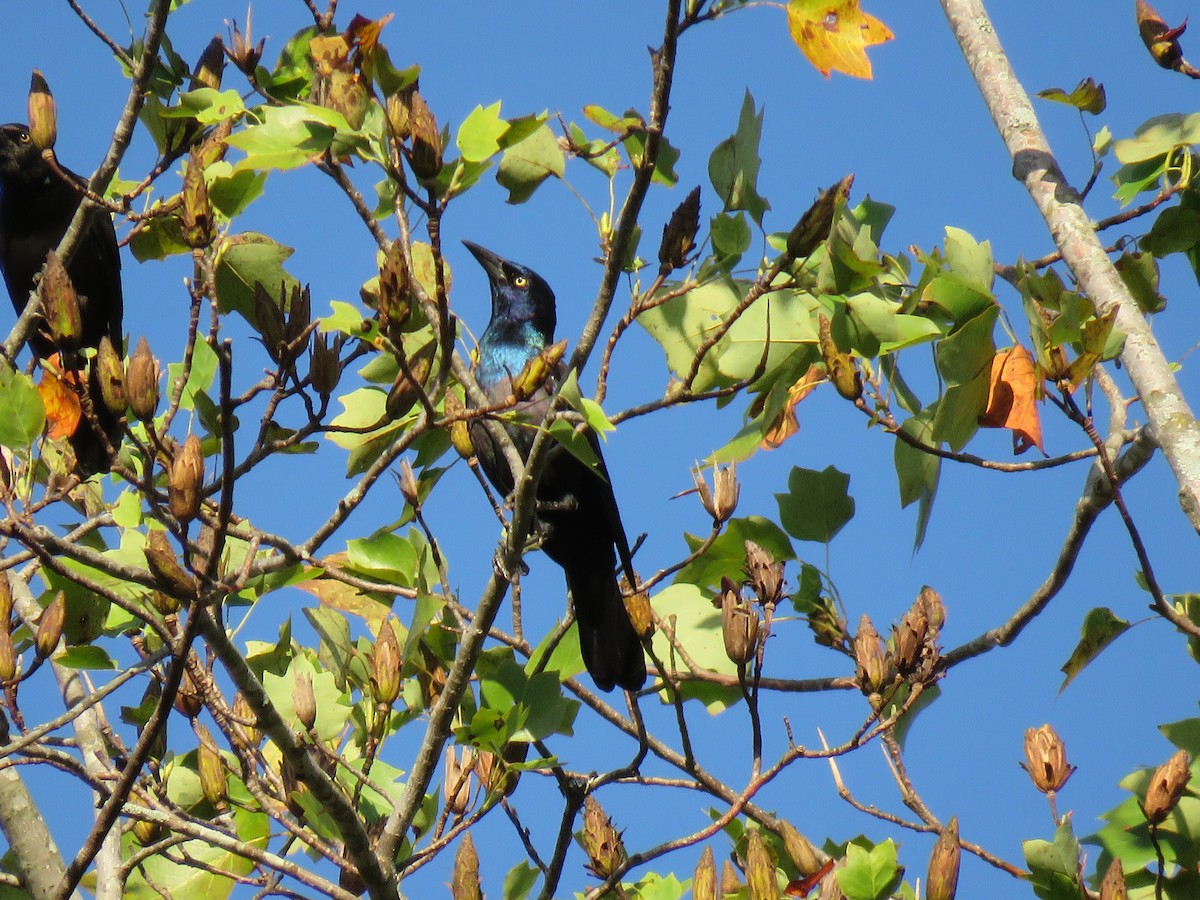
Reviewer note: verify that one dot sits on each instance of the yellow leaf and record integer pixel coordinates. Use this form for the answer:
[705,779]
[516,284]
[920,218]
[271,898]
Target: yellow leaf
[62,405]
[835,34]
[1012,399]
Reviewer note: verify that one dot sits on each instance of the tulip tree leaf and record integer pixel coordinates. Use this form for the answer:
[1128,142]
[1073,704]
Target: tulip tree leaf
[869,874]
[527,164]
[1101,627]
[22,415]
[1087,96]
[816,505]
[1053,865]
[733,165]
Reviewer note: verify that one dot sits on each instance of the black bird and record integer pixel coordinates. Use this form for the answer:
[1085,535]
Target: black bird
[576,510]
[36,207]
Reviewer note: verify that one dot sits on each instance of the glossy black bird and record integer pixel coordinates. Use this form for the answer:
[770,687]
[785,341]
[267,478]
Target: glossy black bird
[36,207]
[577,512]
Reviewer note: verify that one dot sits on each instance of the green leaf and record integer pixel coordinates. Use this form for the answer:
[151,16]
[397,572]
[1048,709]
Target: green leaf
[386,556]
[520,880]
[869,874]
[158,238]
[527,164]
[287,136]
[480,132]
[85,657]
[1157,137]
[206,106]
[730,239]
[1100,628]
[697,626]
[1176,230]
[733,165]
[22,416]
[1087,96]
[817,504]
[657,887]
[200,378]
[334,649]
[664,162]
[231,194]
[918,472]
[333,710]
[243,260]
[726,556]
[1139,271]
[1053,866]
[969,261]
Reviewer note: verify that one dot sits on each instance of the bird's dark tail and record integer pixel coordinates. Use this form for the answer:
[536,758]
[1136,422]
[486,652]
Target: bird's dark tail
[611,648]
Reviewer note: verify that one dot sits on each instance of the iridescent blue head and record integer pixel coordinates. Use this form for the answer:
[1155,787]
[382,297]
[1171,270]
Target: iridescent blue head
[520,296]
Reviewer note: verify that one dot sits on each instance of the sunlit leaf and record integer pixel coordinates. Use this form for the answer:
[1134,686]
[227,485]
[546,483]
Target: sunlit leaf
[1012,398]
[835,34]
[1101,627]
[1087,96]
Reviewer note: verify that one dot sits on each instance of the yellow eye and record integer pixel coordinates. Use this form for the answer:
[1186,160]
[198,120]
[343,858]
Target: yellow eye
[521,281]
[24,137]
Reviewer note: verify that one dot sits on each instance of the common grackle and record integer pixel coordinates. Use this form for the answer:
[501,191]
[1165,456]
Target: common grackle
[36,207]
[576,510]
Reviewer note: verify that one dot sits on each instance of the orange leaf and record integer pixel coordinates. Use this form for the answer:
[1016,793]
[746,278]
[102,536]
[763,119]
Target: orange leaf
[835,34]
[786,424]
[365,32]
[1012,399]
[62,405]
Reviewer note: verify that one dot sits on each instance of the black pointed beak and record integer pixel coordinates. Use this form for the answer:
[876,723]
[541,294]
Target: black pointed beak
[492,264]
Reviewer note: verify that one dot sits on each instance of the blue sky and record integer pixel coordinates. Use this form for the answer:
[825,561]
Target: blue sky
[917,137]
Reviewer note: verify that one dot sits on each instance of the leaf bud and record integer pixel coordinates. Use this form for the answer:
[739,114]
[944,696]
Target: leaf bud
[385,665]
[600,840]
[185,481]
[1113,885]
[765,575]
[1046,759]
[870,661]
[110,373]
[43,121]
[457,787]
[942,880]
[721,500]
[535,372]
[739,624]
[760,869]
[679,234]
[464,883]
[246,719]
[199,224]
[426,155]
[210,66]
[1166,787]
[304,701]
[324,364]
[50,626]
[60,304]
[141,382]
[8,656]
[704,881]
[460,431]
[188,700]
[212,769]
[164,566]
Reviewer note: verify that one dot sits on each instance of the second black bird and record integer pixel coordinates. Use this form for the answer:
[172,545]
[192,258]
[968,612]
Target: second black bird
[577,512]
[36,207]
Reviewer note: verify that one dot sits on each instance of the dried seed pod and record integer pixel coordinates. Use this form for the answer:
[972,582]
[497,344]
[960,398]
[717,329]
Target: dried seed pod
[704,881]
[601,841]
[426,156]
[841,367]
[1113,885]
[43,120]
[1166,787]
[679,234]
[760,869]
[942,880]
[637,607]
[324,365]
[164,566]
[6,601]
[304,701]
[460,432]
[765,575]
[244,53]
[186,480]
[535,372]
[909,640]
[187,698]
[464,883]
[385,665]
[721,501]
[210,66]
[147,832]
[410,488]
[1046,759]
[110,373]
[212,769]
[739,624]
[199,224]
[8,656]
[870,661]
[50,626]
[935,609]
[406,390]
[457,787]
[496,773]
[60,304]
[141,382]
[247,719]
[799,849]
